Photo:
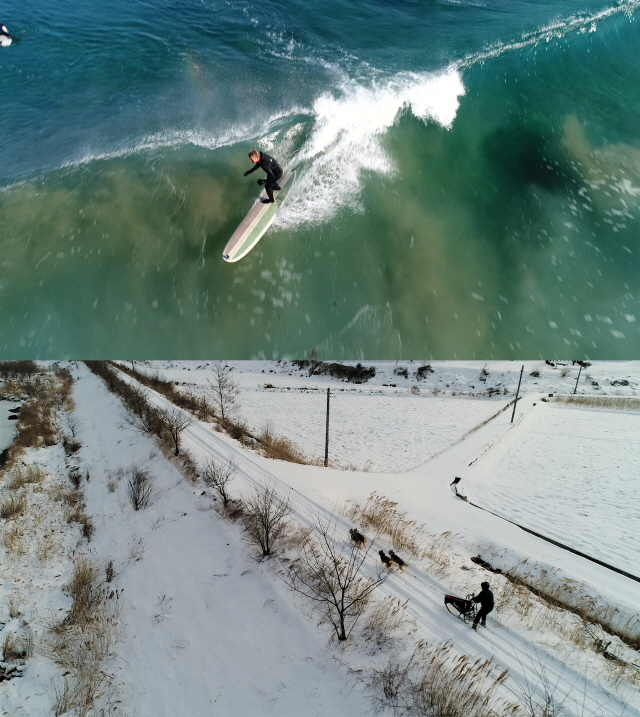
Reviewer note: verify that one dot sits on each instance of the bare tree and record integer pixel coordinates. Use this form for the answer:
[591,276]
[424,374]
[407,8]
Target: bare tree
[139,488]
[223,389]
[217,474]
[175,421]
[146,419]
[327,571]
[137,399]
[264,519]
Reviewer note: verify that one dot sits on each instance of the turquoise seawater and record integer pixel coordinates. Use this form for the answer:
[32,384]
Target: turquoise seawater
[468,178]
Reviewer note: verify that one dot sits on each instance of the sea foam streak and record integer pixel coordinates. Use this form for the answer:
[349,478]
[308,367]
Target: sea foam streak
[347,139]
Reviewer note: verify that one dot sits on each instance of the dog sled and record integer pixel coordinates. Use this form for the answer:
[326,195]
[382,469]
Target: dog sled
[463,608]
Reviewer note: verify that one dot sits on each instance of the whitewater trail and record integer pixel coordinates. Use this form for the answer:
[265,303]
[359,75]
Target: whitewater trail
[525,661]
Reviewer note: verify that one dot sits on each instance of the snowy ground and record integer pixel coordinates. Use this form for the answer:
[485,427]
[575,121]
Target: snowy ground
[570,474]
[395,429]
[207,630]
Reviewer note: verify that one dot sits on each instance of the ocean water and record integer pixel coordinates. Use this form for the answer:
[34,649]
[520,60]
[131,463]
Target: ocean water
[468,178]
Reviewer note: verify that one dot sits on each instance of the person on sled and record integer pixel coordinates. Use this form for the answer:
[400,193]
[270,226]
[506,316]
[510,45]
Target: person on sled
[271,167]
[485,598]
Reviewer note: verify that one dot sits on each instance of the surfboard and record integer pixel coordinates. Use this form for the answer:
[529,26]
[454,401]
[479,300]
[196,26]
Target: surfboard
[257,221]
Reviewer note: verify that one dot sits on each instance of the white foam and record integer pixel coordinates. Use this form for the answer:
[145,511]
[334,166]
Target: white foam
[581,23]
[347,140]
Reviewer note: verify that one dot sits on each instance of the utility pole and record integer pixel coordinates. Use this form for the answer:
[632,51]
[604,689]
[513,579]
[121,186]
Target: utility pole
[326,440]
[576,386]
[517,392]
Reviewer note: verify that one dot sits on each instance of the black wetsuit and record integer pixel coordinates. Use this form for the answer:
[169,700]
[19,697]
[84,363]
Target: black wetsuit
[273,170]
[485,598]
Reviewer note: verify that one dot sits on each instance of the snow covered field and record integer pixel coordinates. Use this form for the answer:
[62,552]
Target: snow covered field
[570,474]
[205,629]
[380,426]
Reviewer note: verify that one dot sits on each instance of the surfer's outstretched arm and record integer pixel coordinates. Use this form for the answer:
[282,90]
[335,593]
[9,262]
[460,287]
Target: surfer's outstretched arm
[253,169]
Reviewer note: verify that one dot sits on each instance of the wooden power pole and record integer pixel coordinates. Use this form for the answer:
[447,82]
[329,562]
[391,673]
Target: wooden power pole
[326,440]
[575,388]
[517,392]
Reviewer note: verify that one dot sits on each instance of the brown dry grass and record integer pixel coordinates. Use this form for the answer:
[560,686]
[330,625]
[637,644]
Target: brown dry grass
[439,683]
[384,620]
[14,648]
[280,448]
[13,540]
[407,537]
[617,403]
[558,594]
[13,506]
[21,477]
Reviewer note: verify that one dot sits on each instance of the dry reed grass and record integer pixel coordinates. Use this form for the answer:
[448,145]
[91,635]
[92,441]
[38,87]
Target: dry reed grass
[618,403]
[82,640]
[406,536]
[23,476]
[13,506]
[280,448]
[14,648]
[562,594]
[439,683]
[384,620]
[13,540]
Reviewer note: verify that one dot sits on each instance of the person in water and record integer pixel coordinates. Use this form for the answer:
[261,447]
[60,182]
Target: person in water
[5,37]
[271,167]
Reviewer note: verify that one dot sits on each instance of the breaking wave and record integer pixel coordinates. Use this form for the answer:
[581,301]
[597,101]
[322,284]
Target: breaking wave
[347,138]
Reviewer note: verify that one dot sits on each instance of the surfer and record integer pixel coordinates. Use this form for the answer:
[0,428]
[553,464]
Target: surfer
[271,167]
[5,38]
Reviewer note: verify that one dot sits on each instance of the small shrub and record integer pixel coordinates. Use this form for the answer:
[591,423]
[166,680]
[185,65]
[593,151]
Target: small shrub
[75,477]
[401,371]
[137,549]
[84,590]
[13,649]
[109,572]
[385,618]
[12,540]
[439,683]
[535,373]
[265,510]
[218,474]
[14,610]
[71,445]
[424,371]
[88,528]
[15,481]
[484,374]
[13,506]
[139,488]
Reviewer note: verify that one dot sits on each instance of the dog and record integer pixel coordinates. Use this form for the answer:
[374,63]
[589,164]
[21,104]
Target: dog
[386,560]
[357,538]
[397,560]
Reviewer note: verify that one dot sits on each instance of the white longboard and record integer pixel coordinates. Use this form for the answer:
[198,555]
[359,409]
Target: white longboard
[257,221]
